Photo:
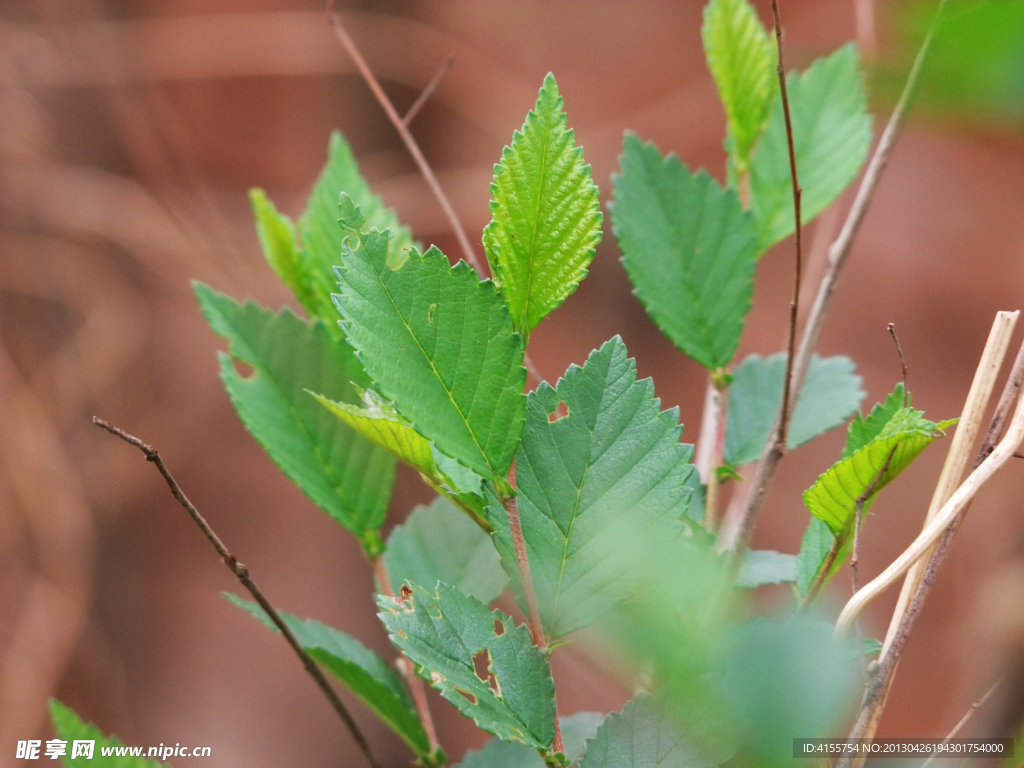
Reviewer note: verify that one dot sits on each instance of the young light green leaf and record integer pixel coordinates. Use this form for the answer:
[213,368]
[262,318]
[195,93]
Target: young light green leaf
[689,248]
[546,214]
[341,472]
[381,424]
[362,671]
[766,567]
[280,244]
[612,467]
[440,344]
[864,429]
[831,136]
[445,631]
[318,226]
[439,543]
[110,751]
[905,435]
[647,735]
[741,57]
[576,729]
[830,394]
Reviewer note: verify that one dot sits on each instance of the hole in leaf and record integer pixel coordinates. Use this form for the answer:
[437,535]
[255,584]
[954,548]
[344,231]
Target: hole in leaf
[244,370]
[499,628]
[560,412]
[434,612]
[480,663]
[467,696]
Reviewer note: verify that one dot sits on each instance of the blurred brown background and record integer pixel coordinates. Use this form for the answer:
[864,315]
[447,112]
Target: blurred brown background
[130,131]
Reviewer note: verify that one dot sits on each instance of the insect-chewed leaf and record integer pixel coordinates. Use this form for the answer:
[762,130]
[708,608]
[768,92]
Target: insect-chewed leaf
[70,728]
[379,422]
[831,136]
[689,248]
[648,734]
[591,482]
[740,56]
[870,442]
[576,729]
[439,543]
[343,473]
[445,631]
[830,394]
[438,342]
[546,214]
[361,670]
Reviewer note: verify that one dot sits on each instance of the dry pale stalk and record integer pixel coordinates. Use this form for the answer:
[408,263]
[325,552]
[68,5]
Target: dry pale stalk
[960,448]
[931,533]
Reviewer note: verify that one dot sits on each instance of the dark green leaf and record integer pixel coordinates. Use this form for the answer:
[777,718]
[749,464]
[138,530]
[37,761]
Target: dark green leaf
[689,248]
[613,465]
[438,342]
[831,136]
[830,394]
[444,631]
[576,729]
[439,543]
[344,474]
[362,671]
[546,214]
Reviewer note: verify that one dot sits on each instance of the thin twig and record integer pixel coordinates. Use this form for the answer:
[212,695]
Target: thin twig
[764,475]
[784,413]
[428,91]
[965,719]
[903,363]
[417,686]
[400,124]
[242,574]
[718,446]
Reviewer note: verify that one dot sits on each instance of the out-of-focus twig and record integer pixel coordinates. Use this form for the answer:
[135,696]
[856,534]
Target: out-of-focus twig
[965,719]
[242,574]
[428,90]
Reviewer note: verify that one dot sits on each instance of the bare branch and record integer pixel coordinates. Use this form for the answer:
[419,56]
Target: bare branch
[764,475]
[785,409]
[903,363]
[242,574]
[965,719]
[428,91]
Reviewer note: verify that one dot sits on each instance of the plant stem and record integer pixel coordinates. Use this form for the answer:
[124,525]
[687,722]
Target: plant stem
[417,686]
[401,125]
[784,412]
[718,446]
[966,718]
[428,91]
[903,363]
[242,574]
[522,561]
[768,465]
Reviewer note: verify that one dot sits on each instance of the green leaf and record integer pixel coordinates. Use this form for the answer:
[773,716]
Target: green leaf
[440,344]
[905,435]
[318,226]
[280,244]
[362,671]
[445,631]
[647,735]
[689,248]
[830,394]
[439,543]
[71,728]
[381,424]
[613,466]
[831,136]
[546,214]
[814,548]
[766,567]
[741,57]
[341,472]
[864,429]
[576,729]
